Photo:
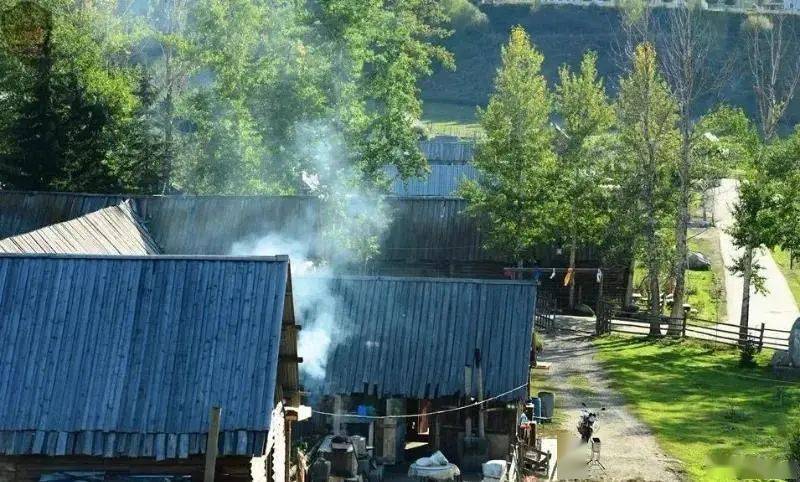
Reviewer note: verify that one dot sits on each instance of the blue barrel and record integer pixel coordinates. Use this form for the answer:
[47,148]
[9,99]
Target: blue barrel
[537,407]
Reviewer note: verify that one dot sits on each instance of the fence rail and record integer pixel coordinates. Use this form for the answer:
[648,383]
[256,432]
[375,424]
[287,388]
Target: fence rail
[611,319]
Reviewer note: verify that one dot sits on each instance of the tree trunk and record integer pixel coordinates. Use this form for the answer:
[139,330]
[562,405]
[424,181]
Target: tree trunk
[629,285]
[572,251]
[681,237]
[747,275]
[655,301]
[168,127]
[653,265]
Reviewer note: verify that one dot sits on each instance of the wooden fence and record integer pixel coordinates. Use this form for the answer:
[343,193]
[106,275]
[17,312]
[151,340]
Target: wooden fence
[545,312]
[613,320]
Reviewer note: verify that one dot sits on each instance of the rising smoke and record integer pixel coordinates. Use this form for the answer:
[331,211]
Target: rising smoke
[350,222]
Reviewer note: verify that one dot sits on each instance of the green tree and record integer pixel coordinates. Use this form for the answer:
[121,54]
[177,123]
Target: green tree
[772,57]
[67,103]
[649,139]
[389,47]
[516,161]
[584,108]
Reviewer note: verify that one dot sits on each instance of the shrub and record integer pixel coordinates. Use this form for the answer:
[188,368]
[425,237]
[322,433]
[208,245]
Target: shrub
[747,354]
[538,343]
[794,446]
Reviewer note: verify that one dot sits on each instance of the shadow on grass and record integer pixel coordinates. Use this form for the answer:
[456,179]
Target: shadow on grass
[698,401]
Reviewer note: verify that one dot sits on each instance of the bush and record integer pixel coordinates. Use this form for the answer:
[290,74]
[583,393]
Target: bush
[794,446]
[747,354]
[464,15]
[538,344]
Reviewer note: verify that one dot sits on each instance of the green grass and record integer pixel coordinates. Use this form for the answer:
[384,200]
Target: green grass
[706,289]
[541,381]
[701,406]
[441,118]
[781,257]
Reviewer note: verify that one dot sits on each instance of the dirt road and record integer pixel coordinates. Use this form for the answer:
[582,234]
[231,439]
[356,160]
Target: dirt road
[628,449]
[777,308]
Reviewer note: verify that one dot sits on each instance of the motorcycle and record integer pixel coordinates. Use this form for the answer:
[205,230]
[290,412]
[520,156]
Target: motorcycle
[587,424]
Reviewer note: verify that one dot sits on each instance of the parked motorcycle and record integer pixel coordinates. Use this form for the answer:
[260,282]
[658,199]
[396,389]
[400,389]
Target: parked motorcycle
[587,424]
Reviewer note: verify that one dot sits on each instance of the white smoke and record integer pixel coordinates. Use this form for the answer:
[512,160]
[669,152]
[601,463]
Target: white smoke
[351,222]
[314,303]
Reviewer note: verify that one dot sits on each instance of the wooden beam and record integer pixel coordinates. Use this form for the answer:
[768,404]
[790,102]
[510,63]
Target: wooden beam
[212,444]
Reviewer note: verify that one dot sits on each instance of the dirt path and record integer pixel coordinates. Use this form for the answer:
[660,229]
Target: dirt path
[777,308]
[629,450]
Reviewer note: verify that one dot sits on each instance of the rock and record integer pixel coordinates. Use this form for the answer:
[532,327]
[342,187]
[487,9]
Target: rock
[697,261]
[791,357]
[794,344]
[584,310]
[780,359]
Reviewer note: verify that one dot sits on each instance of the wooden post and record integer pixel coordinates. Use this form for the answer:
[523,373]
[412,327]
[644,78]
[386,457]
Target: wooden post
[481,412]
[761,337]
[683,328]
[467,396]
[212,444]
[337,419]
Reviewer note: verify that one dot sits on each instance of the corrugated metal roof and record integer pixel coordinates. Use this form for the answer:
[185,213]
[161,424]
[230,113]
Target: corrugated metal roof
[442,180]
[412,337]
[124,356]
[447,149]
[110,230]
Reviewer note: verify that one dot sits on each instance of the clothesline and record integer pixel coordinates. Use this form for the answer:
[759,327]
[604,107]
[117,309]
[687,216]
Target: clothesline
[415,415]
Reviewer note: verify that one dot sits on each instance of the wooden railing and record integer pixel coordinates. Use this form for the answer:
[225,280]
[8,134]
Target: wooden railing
[610,320]
[545,312]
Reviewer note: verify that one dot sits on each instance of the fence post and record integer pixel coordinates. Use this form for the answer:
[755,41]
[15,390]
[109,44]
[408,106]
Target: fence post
[761,338]
[683,328]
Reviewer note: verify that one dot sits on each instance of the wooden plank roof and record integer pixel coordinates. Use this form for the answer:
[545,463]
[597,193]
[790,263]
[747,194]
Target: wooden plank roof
[110,230]
[124,356]
[412,337]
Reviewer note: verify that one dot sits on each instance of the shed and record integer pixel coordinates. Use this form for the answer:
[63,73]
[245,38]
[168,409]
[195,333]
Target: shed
[116,361]
[417,345]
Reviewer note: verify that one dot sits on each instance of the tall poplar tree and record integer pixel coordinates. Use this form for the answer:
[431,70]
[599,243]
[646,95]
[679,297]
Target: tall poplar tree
[650,140]
[584,108]
[516,161]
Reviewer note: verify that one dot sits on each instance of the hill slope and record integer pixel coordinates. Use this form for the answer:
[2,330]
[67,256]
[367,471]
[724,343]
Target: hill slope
[563,34]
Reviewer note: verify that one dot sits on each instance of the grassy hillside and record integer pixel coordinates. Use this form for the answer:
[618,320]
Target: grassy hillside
[563,34]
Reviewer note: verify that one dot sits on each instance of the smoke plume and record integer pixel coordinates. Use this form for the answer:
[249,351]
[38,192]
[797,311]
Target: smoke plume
[351,220]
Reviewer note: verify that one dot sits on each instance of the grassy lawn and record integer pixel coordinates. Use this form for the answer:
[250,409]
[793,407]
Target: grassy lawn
[450,119]
[701,406]
[792,275]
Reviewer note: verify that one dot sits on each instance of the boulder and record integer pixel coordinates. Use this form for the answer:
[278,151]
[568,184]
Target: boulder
[794,344]
[697,261]
[791,357]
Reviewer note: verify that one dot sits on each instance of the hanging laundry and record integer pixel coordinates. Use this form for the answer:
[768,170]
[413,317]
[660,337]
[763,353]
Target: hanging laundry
[568,277]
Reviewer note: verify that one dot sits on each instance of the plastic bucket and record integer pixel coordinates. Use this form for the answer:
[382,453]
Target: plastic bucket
[548,401]
[537,407]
